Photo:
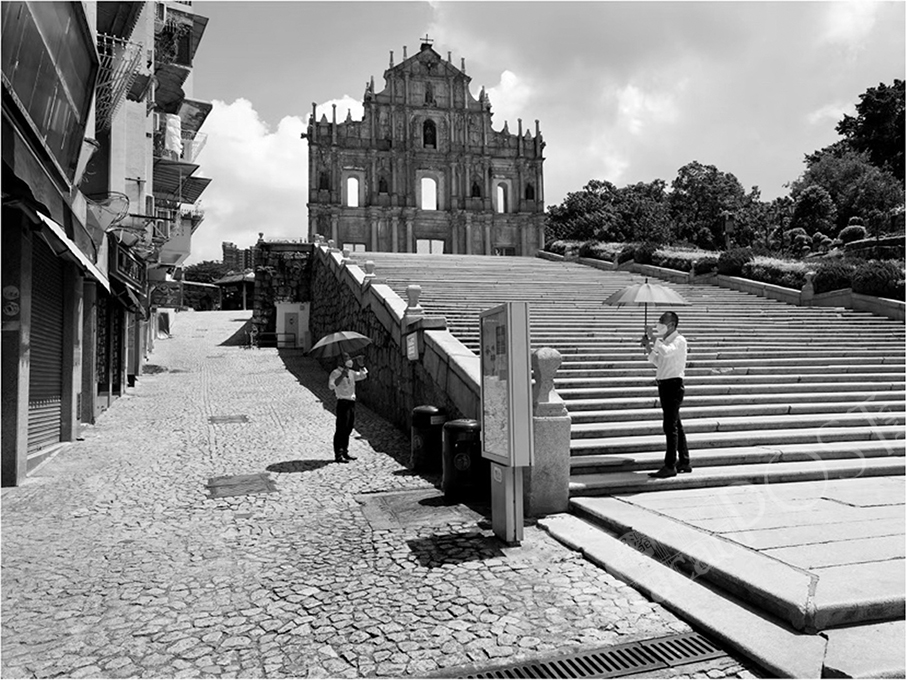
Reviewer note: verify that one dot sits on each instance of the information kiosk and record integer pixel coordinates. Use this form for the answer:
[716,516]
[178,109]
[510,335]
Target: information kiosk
[506,412]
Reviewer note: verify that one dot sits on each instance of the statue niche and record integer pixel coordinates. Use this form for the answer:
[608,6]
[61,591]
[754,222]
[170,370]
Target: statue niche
[429,135]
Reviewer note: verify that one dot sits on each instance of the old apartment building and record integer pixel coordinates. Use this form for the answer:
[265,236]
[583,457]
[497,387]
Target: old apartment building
[424,171]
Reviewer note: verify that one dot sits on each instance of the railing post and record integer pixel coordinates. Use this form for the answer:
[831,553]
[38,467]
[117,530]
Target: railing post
[547,483]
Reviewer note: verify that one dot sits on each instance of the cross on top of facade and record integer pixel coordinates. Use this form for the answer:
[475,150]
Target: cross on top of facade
[426,40]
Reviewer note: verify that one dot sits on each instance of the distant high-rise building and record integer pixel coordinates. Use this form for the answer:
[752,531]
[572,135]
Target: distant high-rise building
[238,259]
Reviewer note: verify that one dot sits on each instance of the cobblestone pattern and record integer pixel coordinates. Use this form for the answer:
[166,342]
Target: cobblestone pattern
[116,563]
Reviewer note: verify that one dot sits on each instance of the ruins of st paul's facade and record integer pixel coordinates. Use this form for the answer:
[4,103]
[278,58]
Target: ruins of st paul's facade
[424,171]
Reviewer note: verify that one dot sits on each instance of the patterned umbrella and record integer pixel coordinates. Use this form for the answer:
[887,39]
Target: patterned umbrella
[643,294]
[335,344]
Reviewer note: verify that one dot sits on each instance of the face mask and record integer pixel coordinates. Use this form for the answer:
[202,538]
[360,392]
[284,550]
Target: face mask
[660,330]
[349,363]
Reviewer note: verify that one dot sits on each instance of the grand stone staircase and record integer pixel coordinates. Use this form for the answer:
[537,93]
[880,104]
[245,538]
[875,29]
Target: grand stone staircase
[774,392]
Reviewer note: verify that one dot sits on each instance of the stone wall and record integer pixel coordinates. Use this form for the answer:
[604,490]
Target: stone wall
[283,273]
[344,297]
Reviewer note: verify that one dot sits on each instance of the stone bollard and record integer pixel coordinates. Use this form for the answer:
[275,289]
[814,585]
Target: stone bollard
[346,258]
[369,269]
[546,485]
[808,290]
[332,246]
[413,309]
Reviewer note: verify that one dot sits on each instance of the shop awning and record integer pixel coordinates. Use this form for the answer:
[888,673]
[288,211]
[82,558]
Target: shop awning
[62,246]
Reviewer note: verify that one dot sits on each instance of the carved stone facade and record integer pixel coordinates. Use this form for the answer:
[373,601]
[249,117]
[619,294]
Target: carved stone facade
[424,171]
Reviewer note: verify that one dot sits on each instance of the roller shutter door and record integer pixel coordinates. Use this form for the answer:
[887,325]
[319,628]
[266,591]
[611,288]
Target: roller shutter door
[45,379]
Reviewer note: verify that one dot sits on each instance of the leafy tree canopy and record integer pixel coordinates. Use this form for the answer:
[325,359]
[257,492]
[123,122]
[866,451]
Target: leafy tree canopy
[856,185]
[700,195]
[878,127]
[814,211]
[207,271]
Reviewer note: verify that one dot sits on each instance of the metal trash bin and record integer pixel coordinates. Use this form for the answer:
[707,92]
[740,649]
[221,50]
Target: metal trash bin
[465,473]
[425,439]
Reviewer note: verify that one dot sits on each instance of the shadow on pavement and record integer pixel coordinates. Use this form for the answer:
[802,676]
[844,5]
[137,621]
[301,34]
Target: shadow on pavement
[442,549]
[298,465]
[382,436]
[241,336]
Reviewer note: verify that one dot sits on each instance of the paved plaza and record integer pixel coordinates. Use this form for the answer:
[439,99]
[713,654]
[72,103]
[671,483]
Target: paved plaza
[123,556]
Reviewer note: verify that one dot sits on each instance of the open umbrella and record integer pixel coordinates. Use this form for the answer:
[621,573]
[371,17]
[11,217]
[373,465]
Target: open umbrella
[645,293]
[335,344]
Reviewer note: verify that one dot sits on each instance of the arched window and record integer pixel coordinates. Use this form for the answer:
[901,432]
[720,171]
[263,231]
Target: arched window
[352,192]
[324,181]
[530,192]
[476,190]
[501,195]
[429,194]
[382,185]
[429,134]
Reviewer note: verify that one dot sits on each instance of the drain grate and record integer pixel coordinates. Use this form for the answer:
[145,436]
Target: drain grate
[220,420]
[613,662]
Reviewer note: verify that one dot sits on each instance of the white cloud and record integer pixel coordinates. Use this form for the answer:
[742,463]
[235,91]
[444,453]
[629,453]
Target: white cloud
[258,179]
[830,113]
[510,101]
[849,23]
[638,108]
[345,105]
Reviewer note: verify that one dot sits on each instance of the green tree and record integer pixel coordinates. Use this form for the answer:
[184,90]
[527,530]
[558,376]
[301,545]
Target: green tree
[856,186]
[700,195]
[878,127]
[814,212]
[206,271]
[643,212]
[587,214]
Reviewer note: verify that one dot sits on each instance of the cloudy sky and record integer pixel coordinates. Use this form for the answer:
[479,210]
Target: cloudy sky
[623,91]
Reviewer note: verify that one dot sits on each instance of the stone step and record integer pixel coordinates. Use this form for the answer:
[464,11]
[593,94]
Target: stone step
[650,400]
[749,437]
[701,369]
[611,483]
[693,425]
[694,389]
[739,455]
[722,409]
[707,380]
[756,576]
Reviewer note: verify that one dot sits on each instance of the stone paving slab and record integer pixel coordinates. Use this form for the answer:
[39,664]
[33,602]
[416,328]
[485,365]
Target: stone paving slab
[117,563]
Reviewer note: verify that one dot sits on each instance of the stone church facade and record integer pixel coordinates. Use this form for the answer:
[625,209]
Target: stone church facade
[424,171]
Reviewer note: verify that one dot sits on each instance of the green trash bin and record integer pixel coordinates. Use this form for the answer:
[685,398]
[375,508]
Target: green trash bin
[425,439]
[465,473]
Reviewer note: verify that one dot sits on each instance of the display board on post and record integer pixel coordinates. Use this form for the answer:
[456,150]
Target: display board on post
[507,439]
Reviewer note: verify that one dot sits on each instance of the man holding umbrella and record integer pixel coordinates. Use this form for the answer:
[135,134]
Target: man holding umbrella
[343,381]
[667,349]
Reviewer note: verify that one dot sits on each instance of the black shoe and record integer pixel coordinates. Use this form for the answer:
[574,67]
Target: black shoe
[684,468]
[663,473]
[347,457]
[340,459]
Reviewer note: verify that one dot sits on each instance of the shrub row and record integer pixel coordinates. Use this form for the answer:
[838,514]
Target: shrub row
[880,278]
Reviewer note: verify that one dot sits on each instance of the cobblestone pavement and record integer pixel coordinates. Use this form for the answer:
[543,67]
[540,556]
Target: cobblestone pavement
[117,563]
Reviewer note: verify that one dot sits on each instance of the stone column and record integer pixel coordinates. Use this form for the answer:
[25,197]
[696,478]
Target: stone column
[394,224]
[374,222]
[409,236]
[468,234]
[487,238]
[335,230]
[546,485]
[89,344]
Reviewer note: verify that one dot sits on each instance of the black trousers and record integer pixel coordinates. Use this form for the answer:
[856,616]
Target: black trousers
[670,393]
[346,417]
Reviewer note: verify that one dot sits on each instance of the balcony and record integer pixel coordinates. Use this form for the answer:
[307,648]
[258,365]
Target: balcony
[119,64]
[176,144]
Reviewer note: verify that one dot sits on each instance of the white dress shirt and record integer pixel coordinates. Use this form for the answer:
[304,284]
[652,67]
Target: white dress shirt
[347,387]
[669,356]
